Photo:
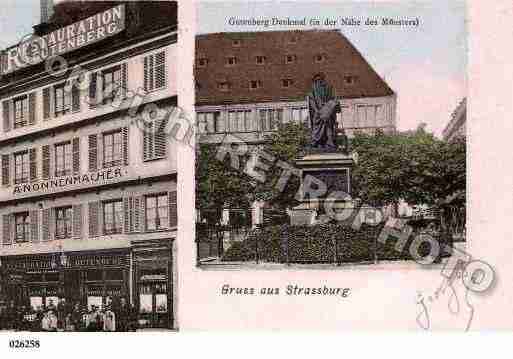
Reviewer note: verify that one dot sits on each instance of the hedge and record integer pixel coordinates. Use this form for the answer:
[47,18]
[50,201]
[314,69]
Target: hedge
[316,244]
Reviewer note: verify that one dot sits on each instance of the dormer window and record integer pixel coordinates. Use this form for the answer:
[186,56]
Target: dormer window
[320,57]
[223,86]
[255,84]
[236,43]
[287,83]
[202,62]
[349,80]
[231,61]
[289,59]
[260,60]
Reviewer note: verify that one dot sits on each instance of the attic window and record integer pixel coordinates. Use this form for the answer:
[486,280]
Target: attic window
[320,57]
[260,60]
[202,62]
[289,59]
[349,80]
[236,43]
[255,84]
[231,61]
[287,83]
[223,86]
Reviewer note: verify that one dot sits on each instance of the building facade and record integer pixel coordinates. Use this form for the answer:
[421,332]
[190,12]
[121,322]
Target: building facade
[456,128]
[248,82]
[88,180]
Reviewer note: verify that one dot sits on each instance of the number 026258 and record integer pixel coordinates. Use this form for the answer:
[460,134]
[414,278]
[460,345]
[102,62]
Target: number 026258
[24,343]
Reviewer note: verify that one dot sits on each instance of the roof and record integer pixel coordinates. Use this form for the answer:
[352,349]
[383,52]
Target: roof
[341,60]
[458,119]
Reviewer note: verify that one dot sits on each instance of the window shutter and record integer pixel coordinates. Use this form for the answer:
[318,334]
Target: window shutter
[124,79]
[93,94]
[93,219]
[7,112]
[46,161]
[6,229]
[5,169]
[45,224]
[77,221]
[142,214]
[100,151]
[76,155]
[93,153]
[160,70]
[160,138]
[51,225]
[136,214]
[124,134]
[32,108]
[173,214]
[46,103]
[148,140]
[127,214]
[33,164]
[146,73]
[34,226]
[75,95]
[101,229]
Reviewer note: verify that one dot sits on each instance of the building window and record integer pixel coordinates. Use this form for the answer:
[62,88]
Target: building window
[260,60]
[289,59]
[21,111]
[111,84]
[255,84]
[155,71]
[113,216]
[286,83]
[63,222]
[224,86]
[212,122]
[202,62]
[236,43]
[349,80]
[300,115]
[157,212]
[241,121]
[21,167]
[112,149]
[21,227]
[319,58]
[293,40]
[63,159]
[270,118]
[231,61]
[62,99]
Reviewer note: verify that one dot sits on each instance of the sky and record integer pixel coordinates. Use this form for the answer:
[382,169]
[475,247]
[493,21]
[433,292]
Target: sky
[425,65]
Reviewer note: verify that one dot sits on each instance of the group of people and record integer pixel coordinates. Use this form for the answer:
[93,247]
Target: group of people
[117,315]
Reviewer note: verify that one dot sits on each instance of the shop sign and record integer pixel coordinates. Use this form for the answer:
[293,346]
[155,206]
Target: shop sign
[61,182]
[79,34]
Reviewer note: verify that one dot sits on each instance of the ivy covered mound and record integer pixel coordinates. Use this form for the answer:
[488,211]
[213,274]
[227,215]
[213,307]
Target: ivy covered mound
[324,243]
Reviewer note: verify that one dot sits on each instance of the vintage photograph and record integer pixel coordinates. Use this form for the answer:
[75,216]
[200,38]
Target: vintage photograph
[88,196]
[330,134]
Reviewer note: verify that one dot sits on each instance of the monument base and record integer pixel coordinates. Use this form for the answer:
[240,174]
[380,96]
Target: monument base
[325,177]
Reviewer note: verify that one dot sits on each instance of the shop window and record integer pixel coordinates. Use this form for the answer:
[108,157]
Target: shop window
[113,274]
[62,95]
[94,275]
[21,167]
[241,121]
[300,115]
[113,216]
[112,82]
[63,222]
[270,118]
[112,149]
[63,159]
[155,71]
[21,111]
[211,122]
[52,277]
[161,303]
[36,302]
[157,212]
[21,227]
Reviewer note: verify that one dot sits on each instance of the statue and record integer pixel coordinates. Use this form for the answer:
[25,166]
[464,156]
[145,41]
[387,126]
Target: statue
[323,107]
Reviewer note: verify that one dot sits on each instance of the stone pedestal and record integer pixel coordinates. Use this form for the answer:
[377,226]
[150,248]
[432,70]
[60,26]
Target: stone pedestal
[324,177]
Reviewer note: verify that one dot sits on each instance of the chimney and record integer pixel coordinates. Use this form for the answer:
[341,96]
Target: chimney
[46,10]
